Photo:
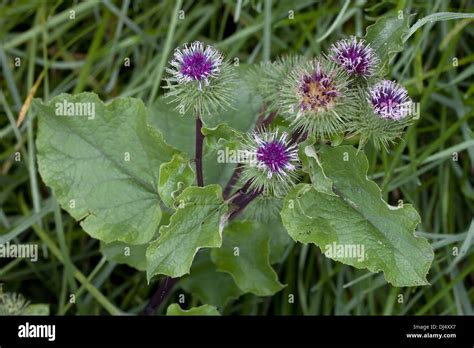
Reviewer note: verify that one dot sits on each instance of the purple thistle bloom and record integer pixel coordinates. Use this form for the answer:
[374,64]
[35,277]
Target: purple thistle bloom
[355,56]
[274,155]
[389,100]
[194,63]
[196,66]
[270,162]
[317,91]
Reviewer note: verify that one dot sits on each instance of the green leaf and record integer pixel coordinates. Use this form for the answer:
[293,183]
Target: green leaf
[103,169]
[131,255]
[175,309]
[435,17]
[195,224]
[221,136]
[209,285]
[264,213]
[174,177]
[279,239]
[386,37]
[311,164]
[219,141]
[354,225]
[177,129]
[245,256]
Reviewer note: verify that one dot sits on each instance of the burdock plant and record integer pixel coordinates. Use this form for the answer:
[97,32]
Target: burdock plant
[294,121]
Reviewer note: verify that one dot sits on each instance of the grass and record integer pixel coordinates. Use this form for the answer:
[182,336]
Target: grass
[432,168]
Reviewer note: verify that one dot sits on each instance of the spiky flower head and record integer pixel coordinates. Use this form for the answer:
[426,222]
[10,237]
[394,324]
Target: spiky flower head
[270,162]
[266,78]
[196,63]
[200,78]
[316,98]
[355,56]
[389,100]
[385,110]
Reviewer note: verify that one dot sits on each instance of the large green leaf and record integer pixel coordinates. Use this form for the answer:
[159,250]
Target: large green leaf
[354,225]
[103,169]
[209,285]
[175,309]
[386,37]
[264,213]
[195,224]
[131,255]
[245,256]
[177,129]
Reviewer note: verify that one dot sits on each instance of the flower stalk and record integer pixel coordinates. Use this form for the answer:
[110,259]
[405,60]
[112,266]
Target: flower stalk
[198,153]
[159,296]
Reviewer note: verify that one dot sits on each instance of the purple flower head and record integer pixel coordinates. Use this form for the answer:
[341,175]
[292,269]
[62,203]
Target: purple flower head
[270,162]
[317,90]
[355,56]
[389,100]
[274,155]
[196,63]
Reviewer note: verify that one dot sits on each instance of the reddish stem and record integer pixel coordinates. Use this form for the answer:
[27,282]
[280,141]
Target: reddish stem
[160,294]
[198,159]
[233,179]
